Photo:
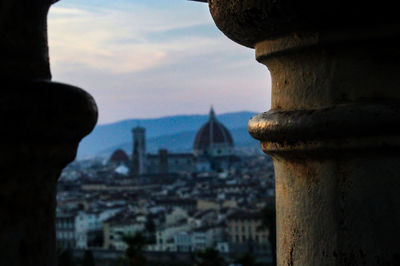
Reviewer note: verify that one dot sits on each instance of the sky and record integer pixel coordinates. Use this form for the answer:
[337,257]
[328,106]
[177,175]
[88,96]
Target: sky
[153,58]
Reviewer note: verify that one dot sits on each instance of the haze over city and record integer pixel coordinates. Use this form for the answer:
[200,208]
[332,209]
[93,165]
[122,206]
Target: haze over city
[153,58]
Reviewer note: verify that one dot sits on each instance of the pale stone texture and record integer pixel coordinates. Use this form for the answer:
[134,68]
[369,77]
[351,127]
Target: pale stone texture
[332,130]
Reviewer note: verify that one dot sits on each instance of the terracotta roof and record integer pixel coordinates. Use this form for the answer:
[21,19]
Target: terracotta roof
[244,215]
[119,156]
[212,132]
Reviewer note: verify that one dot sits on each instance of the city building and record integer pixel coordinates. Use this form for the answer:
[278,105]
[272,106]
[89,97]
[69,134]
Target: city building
[119,157]
[213,140]
[245,232]
[165,162]
[124,224]
[213,150]
[65,230]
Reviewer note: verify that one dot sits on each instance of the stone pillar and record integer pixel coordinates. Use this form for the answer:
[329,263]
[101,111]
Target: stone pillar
[42,123]
[333,128]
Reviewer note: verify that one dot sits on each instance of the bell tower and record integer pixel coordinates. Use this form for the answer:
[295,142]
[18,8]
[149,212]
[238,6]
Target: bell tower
[139,151]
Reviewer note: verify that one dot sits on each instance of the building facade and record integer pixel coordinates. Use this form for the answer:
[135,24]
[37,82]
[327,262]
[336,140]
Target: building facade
[213,149]
[246,234]
[65,230]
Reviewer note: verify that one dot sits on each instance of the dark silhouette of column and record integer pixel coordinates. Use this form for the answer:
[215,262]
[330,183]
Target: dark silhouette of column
[333,129]
[42,123]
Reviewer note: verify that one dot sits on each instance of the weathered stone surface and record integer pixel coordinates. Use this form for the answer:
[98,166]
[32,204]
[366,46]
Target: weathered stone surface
[332,129]
[332,134]
[251,21]
[338,208]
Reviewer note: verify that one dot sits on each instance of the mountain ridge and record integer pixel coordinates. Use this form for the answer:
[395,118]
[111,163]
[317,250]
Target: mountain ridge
[159,131]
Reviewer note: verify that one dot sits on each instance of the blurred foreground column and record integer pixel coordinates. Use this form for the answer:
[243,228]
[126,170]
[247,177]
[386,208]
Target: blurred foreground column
[42,124]
[333,130]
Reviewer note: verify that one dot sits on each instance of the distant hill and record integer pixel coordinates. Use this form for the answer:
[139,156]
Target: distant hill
[183,142]
[175,133]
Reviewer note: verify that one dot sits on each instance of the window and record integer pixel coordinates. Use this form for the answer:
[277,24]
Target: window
[264,239]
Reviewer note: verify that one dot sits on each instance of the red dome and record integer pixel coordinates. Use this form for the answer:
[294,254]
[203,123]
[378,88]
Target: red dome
[119,156]
[212,132]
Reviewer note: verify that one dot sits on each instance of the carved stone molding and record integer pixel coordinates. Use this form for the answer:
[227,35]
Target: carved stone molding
[332,129]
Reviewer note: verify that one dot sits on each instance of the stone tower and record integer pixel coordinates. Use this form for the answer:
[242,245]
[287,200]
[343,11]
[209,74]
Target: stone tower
[139,151]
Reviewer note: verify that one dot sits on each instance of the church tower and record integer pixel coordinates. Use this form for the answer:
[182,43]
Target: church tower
[139,151]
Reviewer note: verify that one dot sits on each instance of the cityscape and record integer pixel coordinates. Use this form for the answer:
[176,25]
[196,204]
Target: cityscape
[185,206]
[110,158]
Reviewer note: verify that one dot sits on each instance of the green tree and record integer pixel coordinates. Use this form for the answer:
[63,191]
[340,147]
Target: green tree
[150,225]
[64,257]
[134,252]
[210,257]
[268,221]
[246,259]
[88,259]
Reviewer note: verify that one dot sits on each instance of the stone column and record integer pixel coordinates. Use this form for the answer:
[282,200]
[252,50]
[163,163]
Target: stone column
[42,123]
[333,129]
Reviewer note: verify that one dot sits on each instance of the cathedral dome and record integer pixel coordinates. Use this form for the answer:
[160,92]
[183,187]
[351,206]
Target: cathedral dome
[213,138]
[119,156]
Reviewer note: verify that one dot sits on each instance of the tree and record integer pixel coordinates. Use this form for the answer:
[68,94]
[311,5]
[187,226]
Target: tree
[64,257]
[246,259]
[88,259]
[150,225]
[210,257]
[268,221]
[134,252]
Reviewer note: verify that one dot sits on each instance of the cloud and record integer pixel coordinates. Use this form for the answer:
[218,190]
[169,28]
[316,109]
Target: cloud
[147,59]
[115,40]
